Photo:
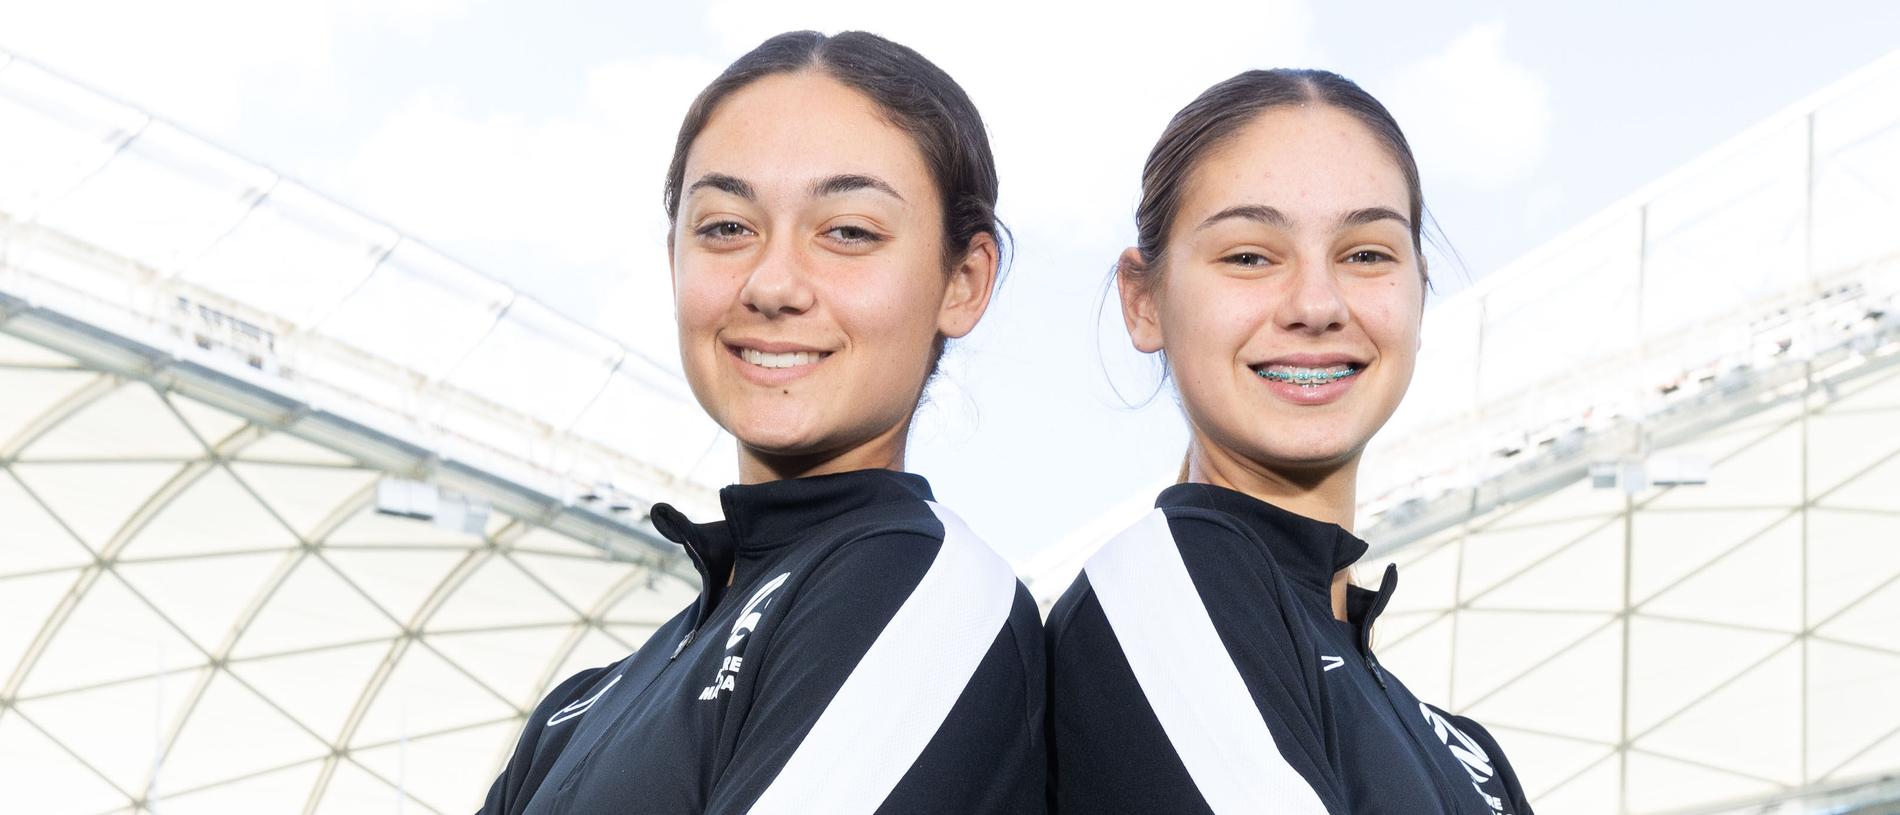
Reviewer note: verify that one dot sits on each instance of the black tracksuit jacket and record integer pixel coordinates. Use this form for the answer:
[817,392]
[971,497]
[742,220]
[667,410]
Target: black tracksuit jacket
[1196,666]
[870,656]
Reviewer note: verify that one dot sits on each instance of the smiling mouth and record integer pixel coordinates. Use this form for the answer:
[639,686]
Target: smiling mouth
[1307,377]
[791,359]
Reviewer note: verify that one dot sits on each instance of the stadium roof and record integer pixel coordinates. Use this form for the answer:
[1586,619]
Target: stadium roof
[299,514]
[302,515]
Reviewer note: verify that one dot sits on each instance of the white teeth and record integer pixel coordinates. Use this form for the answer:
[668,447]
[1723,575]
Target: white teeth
[786,360]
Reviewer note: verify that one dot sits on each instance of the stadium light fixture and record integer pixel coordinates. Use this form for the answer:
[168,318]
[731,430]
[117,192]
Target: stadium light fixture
[423,501]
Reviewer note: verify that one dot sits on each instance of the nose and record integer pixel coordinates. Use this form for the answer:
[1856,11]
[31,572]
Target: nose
[1313,302]
[778,285]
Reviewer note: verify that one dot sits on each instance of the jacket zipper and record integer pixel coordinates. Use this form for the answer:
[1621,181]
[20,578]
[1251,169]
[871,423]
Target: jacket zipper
[1372,664]
[586,764]
[1419,746]
[1406,719]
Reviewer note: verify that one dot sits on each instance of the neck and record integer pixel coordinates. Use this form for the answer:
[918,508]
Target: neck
[1323,493]
[1341,579]
[884,451]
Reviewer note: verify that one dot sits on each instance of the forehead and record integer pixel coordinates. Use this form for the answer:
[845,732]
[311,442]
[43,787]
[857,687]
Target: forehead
[1312,162]
[783,131]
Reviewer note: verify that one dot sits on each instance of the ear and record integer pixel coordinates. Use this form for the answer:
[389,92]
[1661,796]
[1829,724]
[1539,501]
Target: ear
[971,283]
[1139,314]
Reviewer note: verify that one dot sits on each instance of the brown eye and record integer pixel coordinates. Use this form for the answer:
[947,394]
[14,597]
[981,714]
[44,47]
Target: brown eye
[723,230]
[1249,259]
[853,234]
[1368,256]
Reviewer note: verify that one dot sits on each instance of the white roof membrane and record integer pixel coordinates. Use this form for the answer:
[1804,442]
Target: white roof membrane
[207,375]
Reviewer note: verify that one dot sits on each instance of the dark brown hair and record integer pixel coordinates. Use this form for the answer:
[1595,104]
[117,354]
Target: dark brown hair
[1220,112]
[911,91]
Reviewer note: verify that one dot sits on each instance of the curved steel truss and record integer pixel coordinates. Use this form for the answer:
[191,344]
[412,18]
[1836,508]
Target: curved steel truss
[1668,648]
[200,611]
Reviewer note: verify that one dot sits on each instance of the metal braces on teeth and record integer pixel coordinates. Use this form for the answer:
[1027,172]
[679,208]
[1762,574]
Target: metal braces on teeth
[1310,379]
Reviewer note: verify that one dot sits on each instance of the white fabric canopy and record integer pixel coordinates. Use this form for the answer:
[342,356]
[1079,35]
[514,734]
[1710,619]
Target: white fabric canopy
[199,612]
[206,372]
[1646,494]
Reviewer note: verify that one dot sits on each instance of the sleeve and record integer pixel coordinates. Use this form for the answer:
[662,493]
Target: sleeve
[1110,751]
[1512,791]
[861,708]
[529,764]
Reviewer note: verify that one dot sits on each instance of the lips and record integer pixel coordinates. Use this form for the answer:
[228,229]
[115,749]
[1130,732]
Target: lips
[1310,370]
[1309,379]
[774,363]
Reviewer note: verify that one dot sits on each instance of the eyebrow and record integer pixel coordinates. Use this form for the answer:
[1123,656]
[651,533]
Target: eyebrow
[1273,217]
[723,183]
[1250,212]
[1361,217]
[851,182]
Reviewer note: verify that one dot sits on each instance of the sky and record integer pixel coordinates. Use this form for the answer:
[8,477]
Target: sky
[530,141]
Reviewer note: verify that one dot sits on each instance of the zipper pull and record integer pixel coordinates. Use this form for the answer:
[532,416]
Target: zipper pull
[1372,664]
[684,641]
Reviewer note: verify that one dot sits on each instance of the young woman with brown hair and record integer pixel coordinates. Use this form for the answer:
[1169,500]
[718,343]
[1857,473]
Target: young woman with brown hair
[1214,657]
[855,649]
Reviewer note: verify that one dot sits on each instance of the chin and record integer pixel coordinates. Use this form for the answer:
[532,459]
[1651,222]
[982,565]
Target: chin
[1308,454]
[778,432]
[776,441]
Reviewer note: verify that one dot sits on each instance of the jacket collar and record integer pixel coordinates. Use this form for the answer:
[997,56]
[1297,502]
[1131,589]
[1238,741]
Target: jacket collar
[761,518]
[1363,606]
[1306,550]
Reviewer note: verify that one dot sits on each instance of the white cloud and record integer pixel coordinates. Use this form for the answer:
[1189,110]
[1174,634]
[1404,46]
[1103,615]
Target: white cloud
[1473,114]
[415,18]
[581,187]
[176,58]
[203,63]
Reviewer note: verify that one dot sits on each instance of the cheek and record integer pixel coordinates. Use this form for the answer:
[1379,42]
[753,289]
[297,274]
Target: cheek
[891,309]
[1391,316]
[1206,324]
[701,297]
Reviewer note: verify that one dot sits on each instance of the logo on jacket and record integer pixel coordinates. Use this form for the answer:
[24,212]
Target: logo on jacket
[749,616]
[754,609]
[1477,762]
[575,709]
